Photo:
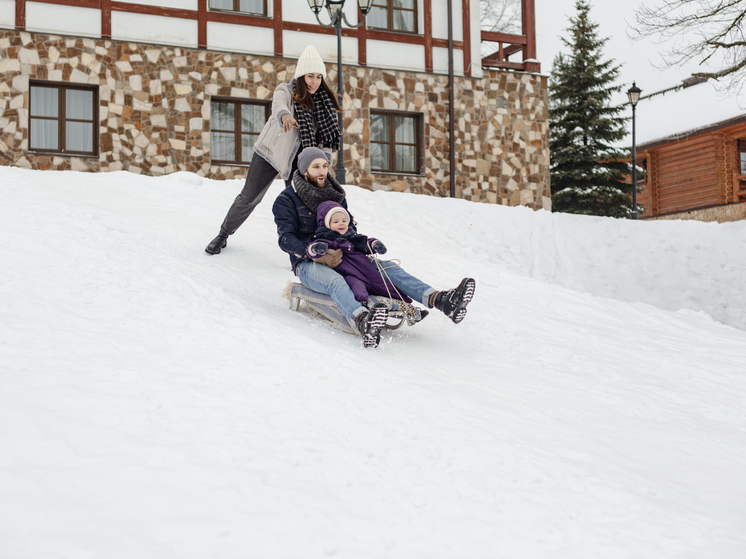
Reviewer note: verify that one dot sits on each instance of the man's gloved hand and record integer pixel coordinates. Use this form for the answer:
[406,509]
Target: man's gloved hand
[332,258]
[378,247]
[317,248]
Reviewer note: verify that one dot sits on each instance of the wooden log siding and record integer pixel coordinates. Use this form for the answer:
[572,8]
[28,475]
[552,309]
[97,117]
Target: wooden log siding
[654,185]
[696,170]
[645,193]
[728,148]
[739,179]
[687,175]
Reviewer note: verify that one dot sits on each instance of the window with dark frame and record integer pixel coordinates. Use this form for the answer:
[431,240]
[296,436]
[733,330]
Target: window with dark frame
[393,15]
[395,142]
[255,7]
[63,118]
[235,125]
[742,157]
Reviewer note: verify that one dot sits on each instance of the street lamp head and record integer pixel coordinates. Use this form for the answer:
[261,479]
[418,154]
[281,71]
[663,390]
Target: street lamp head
[316,5]
[633,94]
[335,8]
[365,6]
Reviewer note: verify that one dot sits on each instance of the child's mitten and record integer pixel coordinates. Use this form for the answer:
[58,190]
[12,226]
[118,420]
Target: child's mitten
[378,247]
[317,248]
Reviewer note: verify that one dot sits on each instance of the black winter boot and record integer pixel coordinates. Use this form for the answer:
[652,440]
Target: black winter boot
[218,243]
[453,302]
[370,323]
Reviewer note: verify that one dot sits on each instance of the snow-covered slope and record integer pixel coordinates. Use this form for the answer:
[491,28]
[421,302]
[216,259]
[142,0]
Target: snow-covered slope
[158,402]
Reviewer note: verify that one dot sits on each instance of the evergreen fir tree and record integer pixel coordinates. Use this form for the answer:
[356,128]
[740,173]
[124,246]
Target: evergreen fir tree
[587,175]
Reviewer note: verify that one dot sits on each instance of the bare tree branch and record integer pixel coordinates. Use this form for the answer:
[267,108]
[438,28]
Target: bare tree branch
[727,45]
[709,32]
[502,16]
[721,73]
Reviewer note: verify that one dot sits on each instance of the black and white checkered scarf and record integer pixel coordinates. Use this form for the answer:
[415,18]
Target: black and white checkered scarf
[325,116]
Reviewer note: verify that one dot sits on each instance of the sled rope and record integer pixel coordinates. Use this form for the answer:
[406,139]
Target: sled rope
[409,310]
[384,275]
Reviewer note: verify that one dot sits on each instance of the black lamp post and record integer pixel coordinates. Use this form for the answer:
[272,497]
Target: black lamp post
[334,7]
[633,93]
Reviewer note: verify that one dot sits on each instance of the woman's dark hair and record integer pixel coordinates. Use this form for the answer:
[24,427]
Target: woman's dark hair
[304,98]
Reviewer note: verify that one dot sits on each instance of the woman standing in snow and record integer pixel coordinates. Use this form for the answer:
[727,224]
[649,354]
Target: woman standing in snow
[304,114]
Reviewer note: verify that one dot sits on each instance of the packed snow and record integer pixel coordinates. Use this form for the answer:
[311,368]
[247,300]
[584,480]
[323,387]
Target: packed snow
[159,402]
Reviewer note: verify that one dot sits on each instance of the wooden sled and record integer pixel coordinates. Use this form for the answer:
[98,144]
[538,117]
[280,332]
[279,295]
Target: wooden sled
[300,296]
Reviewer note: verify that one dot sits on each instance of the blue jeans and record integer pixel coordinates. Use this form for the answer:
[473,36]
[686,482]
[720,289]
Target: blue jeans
[324,279]
[407,283]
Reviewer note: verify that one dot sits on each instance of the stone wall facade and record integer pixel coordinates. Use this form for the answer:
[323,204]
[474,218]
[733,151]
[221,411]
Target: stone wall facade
[721,214]
[154,115]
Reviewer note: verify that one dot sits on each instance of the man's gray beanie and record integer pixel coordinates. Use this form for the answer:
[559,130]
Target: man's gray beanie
[307,156]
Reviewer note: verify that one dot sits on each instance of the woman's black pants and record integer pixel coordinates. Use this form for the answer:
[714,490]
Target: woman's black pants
[260,178]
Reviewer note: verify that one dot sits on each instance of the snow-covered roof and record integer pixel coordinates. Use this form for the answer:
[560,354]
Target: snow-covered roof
[693,132]
[684,112]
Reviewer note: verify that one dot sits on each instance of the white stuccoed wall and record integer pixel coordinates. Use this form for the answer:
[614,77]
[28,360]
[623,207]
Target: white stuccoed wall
[180,4]
[145,28]
[154,29]
[68,20]
[8,13]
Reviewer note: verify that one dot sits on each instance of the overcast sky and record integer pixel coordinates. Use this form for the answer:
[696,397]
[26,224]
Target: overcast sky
[658,117]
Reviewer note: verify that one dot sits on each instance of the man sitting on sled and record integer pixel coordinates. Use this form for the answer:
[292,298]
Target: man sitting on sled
[295,215]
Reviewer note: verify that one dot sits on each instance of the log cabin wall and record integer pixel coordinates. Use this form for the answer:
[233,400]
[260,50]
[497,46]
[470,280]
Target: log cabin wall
[687,175]
[690,177]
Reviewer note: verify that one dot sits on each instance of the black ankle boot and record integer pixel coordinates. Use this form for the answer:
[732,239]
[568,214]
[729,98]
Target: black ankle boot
[218,243]
[453,302]
[369,324]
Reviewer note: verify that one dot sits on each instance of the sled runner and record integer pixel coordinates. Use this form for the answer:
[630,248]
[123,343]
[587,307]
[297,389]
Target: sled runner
[300,296]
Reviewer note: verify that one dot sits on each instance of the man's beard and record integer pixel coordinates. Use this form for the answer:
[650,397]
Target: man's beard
[315,182]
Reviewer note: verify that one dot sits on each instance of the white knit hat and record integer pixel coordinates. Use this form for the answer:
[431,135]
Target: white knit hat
[330,213]
[310,62]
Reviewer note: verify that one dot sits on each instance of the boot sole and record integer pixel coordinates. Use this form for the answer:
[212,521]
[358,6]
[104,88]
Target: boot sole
[378,315]
[208,251]
[468,286]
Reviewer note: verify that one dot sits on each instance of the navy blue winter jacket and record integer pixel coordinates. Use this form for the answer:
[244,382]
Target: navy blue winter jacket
[296,225]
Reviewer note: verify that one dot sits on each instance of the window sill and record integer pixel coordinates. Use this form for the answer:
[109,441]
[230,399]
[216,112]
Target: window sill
[64,154]
[397,173]
[229,164]
[247,14]
[395,32]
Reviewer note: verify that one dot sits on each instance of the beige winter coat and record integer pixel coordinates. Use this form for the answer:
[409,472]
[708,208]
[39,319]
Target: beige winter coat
[279,148]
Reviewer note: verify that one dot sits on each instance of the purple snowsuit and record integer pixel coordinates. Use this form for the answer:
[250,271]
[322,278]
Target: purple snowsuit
[357,269]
